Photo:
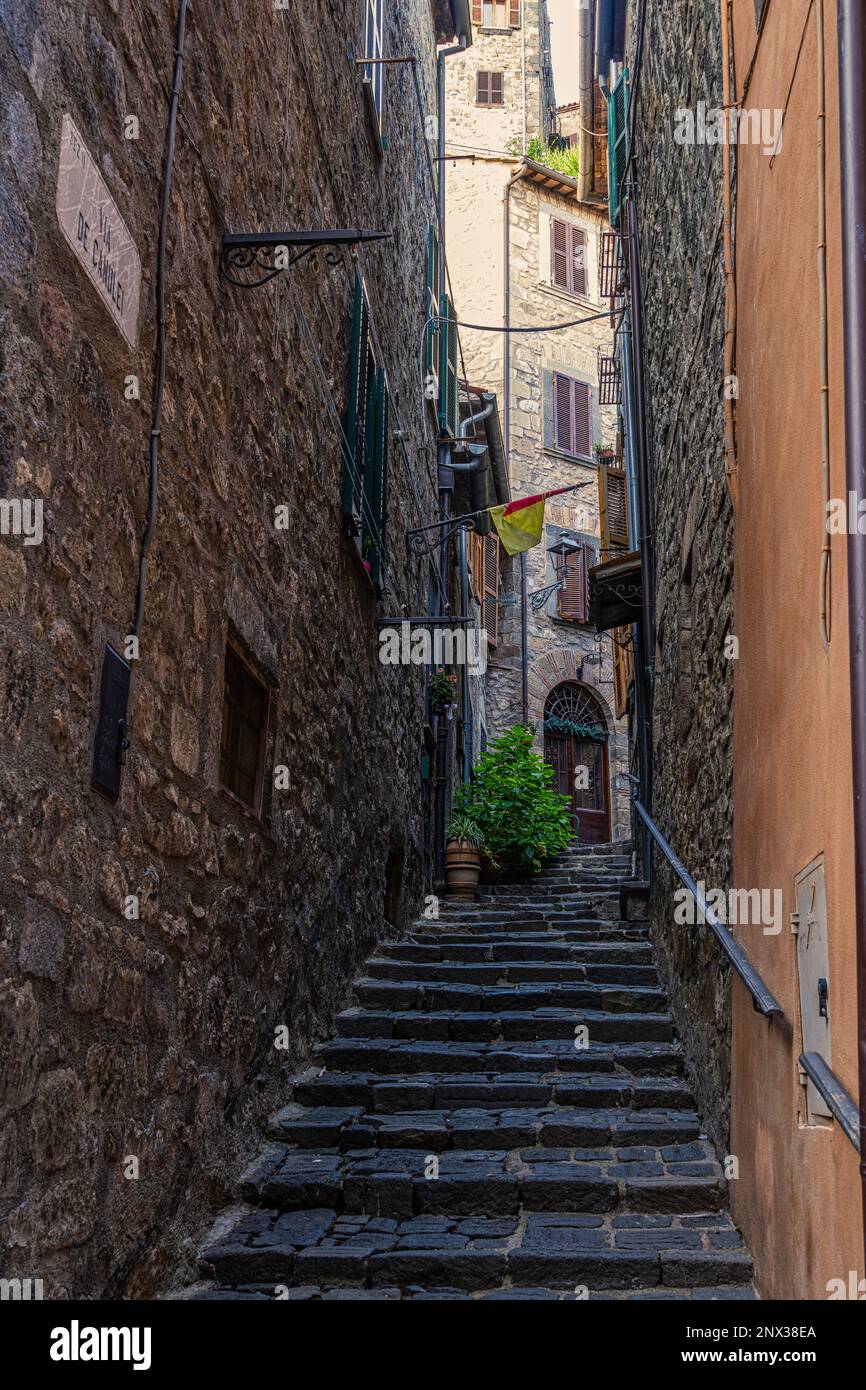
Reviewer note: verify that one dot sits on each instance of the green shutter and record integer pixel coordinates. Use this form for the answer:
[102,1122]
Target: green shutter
[358,414]
[376,481]
[448,371]
[432,306]
[617,143]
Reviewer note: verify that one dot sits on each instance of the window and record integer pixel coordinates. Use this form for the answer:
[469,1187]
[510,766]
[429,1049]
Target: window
[572,597]
[374,72]
[613,511]
[484,565]
[496,14]
[571,416]
[365,451]
[244,730]
[489,88]
[567,256]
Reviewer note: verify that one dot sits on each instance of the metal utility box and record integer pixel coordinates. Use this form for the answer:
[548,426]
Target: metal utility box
[813,973]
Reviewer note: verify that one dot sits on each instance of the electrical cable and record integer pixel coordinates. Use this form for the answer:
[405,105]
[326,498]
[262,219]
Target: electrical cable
[160,319]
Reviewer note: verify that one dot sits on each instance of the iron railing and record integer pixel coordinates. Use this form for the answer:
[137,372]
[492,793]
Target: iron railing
[827,1083]
[765,1002]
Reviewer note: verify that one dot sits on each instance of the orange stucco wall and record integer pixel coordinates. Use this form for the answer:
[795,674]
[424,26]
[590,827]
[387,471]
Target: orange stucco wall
[797,1197]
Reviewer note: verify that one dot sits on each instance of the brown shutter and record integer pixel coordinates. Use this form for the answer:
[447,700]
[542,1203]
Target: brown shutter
[514,14]
[490,610]
[578,260]
[582,420]
[563,434]
[617,509]
[559,253]
[496,88]
[482,88]
[623,668]
[571,599]
[476,11]
[476,560]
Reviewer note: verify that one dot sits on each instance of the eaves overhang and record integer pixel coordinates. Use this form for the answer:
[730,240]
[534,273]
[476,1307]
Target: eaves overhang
[615,592]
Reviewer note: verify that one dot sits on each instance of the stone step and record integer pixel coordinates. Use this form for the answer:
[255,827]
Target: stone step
[439,1091]
[430,996]
[411,1057]
[207,1291]
[505,971]
[533,919]
[401,1182]
[551,1251]
[455,1130]
[529,948]
[518,1025]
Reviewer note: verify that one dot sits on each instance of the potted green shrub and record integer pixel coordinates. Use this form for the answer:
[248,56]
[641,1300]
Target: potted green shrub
[521,820]
[443,691]
[464,844]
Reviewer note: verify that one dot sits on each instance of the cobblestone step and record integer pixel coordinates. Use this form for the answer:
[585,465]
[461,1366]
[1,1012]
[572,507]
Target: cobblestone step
[488,1091]
[510,1026]
[553,1254]
[457,1138]
[377,1056]
[429,996]
[506,971]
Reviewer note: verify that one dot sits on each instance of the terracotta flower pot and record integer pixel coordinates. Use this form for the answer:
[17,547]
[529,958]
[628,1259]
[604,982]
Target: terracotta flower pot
[462,869]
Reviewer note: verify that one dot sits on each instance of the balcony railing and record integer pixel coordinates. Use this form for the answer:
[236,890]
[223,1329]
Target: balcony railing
[828,1085]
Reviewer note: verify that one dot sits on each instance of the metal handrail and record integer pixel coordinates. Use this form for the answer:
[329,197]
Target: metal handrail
[765,1002]
[830,1087]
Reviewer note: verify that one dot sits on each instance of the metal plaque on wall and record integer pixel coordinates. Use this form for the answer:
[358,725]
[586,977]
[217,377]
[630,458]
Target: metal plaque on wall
[98,235]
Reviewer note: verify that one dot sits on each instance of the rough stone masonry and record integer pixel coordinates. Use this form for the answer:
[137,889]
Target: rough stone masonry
[138,1051]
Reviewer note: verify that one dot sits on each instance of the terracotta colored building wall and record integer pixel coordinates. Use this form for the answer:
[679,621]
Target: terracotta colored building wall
[797,1197]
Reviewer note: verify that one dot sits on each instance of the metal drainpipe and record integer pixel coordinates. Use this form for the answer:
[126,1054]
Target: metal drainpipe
[524,622]
[645,631]
[852,119]
[445,474]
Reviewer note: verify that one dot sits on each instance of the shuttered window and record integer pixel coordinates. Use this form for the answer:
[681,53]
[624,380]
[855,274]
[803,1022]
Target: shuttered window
[365,450]
[568,257]
[432,308]
[490,605]
[572,416]
[374,72]
[613,511]
[572,597]
[496,14]
[489,88]
[617,144]
[623,667]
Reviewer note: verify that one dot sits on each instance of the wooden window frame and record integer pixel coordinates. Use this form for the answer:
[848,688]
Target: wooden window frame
[488,74]
[576,278]
[571,447]
[254,807]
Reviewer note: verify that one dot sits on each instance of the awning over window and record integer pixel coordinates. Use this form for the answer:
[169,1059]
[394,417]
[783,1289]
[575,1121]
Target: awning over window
[615,592]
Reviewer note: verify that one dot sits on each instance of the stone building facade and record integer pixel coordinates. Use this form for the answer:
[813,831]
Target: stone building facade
[167,958]
[505,275]
[680,229]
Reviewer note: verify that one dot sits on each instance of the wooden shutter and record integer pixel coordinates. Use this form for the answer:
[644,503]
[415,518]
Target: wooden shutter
[476,562]
[476,11]
[623,667]
[582,420]
[613,511]
[563,424]
[375,483]
[572,600]
[447,369]
[559,253]
[514,13]
[617,143]
[578,260]
[490,607]
[482,88]
[432,306]
[358,414]
[496,88]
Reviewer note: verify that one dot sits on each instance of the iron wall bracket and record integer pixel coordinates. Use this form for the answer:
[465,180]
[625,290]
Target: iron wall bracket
[250,259]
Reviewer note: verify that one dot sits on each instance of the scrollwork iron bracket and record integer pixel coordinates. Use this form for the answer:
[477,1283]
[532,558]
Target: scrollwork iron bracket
[250,259]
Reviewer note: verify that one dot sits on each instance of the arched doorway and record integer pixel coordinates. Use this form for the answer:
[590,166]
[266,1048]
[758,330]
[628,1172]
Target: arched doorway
[575,745]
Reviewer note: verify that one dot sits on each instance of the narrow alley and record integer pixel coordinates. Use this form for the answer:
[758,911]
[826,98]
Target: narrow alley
[432,672]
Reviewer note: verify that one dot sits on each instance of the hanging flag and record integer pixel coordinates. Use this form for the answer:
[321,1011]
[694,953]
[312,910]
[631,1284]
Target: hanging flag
[521,523]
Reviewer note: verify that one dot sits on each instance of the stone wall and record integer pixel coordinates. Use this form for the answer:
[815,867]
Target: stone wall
[153,1039]
[679,209]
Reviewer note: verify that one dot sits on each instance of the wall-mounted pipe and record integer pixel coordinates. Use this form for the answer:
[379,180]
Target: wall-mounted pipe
[852,122]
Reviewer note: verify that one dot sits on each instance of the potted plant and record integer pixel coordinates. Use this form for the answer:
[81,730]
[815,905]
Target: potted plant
[443,691]
[464,844]
[604,452]
[521,820]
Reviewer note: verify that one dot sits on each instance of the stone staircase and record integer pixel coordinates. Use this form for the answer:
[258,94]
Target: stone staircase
[457,1140]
